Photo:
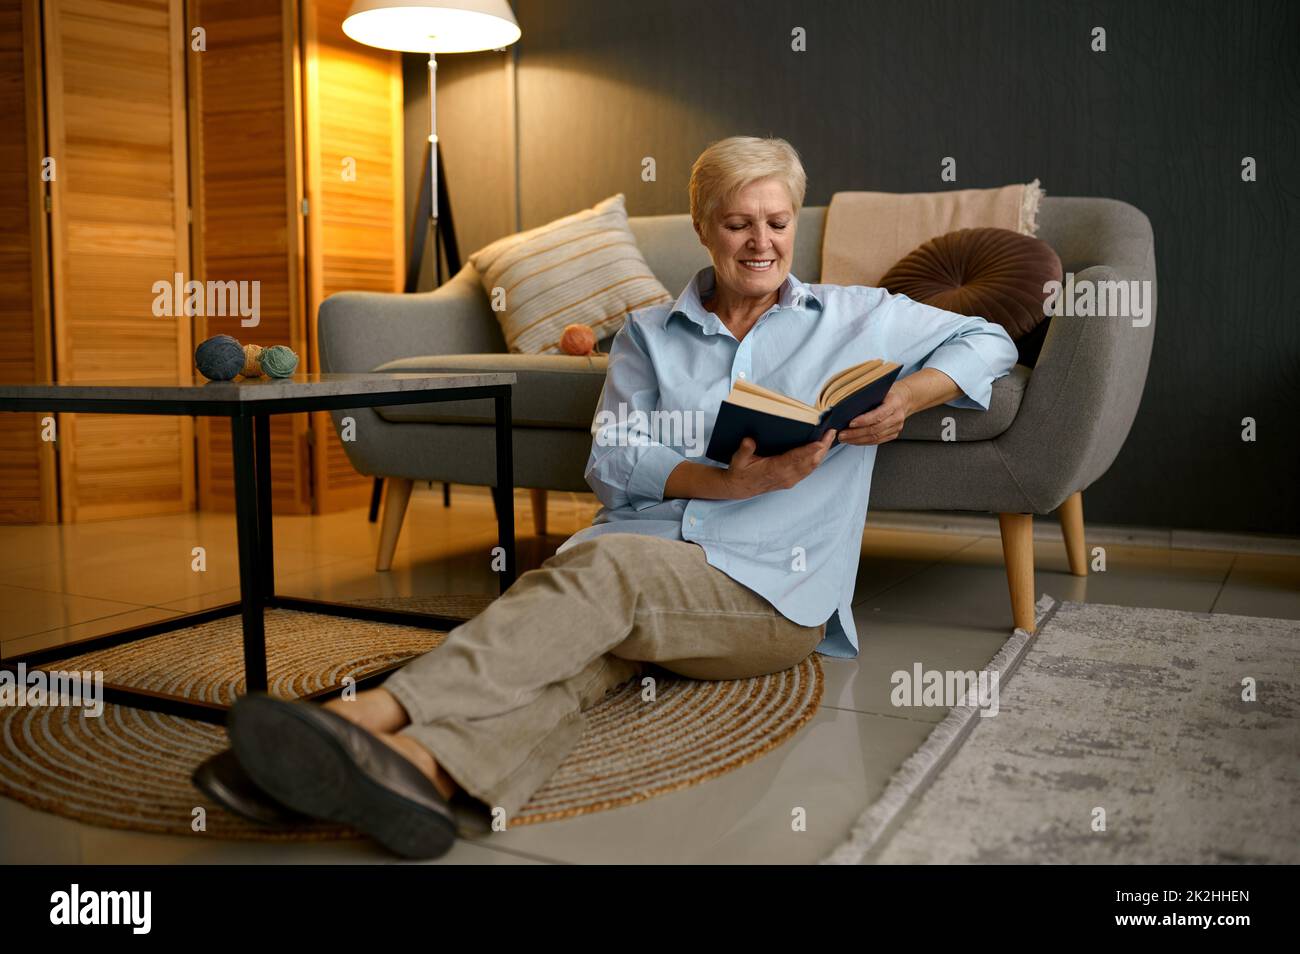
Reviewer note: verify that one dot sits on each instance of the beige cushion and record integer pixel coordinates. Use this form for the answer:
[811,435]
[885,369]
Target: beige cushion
[867,232]
[551,390]
[582,269]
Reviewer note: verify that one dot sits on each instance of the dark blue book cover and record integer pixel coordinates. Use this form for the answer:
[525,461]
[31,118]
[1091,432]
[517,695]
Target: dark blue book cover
[775,434]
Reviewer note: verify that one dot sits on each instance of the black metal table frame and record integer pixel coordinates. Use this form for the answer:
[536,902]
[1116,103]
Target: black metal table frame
[251,438]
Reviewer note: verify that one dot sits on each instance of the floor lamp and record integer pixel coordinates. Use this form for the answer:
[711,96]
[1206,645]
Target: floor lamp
[433,27]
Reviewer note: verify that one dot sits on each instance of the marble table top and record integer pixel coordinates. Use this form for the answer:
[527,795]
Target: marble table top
[255,389]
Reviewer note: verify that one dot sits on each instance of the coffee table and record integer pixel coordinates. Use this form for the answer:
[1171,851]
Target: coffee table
[249,404]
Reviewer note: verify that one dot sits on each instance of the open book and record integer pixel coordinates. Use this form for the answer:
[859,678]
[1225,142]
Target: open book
[779,423]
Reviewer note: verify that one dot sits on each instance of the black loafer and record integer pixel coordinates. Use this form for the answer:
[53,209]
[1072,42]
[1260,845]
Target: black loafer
[320,764]
[224,780]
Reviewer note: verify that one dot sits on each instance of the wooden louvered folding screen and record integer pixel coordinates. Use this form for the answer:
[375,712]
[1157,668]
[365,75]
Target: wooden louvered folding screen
[353,126]
[218,140]
[245,151]
[115,116]
[28,492]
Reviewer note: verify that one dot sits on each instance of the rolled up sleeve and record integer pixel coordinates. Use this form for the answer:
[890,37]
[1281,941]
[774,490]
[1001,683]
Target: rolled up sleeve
[627,467]
[972,351]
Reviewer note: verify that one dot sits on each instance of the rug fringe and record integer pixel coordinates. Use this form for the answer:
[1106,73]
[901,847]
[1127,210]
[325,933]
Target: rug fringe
[921,768]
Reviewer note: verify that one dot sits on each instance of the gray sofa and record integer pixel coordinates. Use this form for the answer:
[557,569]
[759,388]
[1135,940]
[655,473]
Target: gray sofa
[1048,434]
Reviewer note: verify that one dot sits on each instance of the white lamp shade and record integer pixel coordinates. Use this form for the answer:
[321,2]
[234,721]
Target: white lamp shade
[432,26]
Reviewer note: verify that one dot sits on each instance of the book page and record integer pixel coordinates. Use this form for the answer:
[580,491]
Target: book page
[853,379]
[762,399]
[758,390]
[849,373]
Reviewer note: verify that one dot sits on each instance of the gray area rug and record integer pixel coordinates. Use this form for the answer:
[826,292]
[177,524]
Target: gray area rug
[1137,713]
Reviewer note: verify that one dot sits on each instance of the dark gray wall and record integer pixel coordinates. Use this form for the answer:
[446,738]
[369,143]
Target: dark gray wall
[1013,91]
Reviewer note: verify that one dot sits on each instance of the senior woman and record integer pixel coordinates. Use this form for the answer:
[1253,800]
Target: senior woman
[708,571]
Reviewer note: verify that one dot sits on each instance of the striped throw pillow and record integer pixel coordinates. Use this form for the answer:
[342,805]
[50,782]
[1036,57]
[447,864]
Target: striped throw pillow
[582,269]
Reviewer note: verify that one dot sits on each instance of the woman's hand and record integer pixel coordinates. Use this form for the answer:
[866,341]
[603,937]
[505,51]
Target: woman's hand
[884,423]
[749,475]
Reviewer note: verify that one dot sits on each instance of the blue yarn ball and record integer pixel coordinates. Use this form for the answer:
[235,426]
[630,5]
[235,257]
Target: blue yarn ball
[219,358]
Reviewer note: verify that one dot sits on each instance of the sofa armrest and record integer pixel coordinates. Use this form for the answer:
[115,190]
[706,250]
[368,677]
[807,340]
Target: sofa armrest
[1083,395]
[358,331]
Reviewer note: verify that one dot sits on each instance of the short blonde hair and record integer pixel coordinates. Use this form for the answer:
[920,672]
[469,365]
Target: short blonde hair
[728,165]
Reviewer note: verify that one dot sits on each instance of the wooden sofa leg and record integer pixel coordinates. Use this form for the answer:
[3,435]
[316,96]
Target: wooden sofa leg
[1071,514]
[1018,554]
[538,498]
[397,496]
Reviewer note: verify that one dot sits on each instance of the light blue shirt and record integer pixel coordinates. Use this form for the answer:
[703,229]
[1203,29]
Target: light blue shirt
[797,547]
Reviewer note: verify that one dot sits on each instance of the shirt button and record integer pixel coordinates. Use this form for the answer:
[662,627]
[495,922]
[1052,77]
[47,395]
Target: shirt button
[741,374]
[692,519]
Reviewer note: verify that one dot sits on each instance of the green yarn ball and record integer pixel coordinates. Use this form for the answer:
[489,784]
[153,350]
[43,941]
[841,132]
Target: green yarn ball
[278,361]
[219,358]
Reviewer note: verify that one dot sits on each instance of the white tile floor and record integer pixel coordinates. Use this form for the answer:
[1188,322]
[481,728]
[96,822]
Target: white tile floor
[935,598]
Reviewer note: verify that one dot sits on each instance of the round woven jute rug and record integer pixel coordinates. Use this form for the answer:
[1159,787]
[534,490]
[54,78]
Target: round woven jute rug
[131,769]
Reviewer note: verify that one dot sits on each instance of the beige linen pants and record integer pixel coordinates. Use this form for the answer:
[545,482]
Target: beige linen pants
[499,703]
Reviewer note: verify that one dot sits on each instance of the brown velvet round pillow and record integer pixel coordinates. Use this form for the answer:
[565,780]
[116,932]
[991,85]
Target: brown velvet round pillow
[995,274]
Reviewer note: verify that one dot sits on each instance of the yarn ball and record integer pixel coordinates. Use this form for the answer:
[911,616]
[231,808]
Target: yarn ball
[219,358]
[578,340]
[252,367]
[278,361]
